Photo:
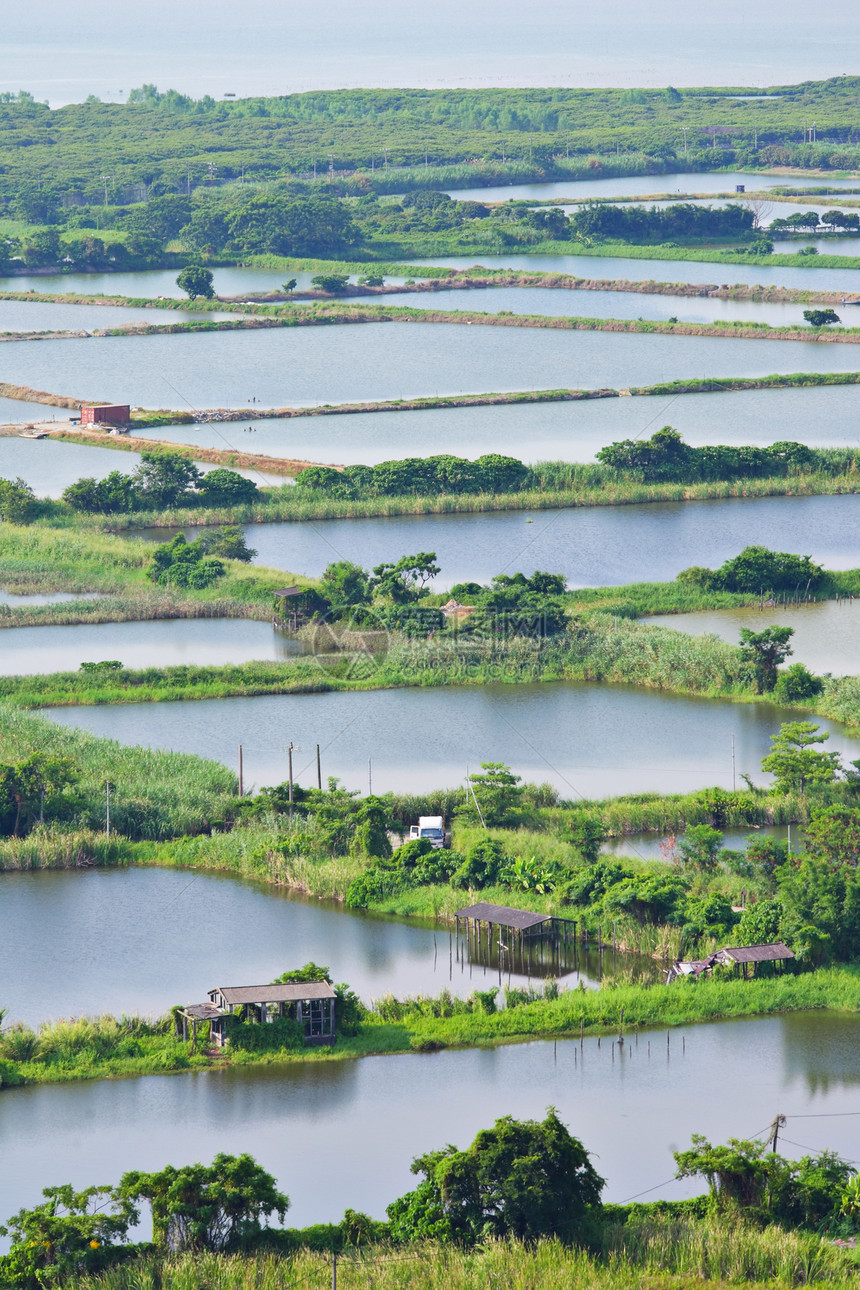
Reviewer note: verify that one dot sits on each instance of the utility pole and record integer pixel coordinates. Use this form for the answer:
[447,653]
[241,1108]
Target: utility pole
[334,1271]
[241,794]
[778,1123]
[319,772]
[733,763]
[105,180]
[331,167]
[107,809]
[685,128]
[290,764]
[211,173]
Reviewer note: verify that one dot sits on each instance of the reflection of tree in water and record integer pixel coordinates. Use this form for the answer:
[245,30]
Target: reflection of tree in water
[820,1051]
[539,958]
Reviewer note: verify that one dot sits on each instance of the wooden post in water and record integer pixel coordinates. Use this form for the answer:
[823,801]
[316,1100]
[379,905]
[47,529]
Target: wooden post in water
[319,771]
[241,785]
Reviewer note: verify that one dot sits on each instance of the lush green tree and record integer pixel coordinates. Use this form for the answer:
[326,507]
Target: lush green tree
[333,283]
[405,580]
[587,835]
[206,1207]
[17,501]
[71,1234]
[196,281]
[497,792]
[699,847]
[795,762]
[36,786]
[289,285]
[796,684]
[833,835]
[759,924]
[757,569]
[276,225]
[483,866]
[821,317]
[227,488]
[663,456]
[765,852]
[42,248]
[114,495]
[763,652]
[521,1179]
[165,478]
[371,830]
[227,542]
[346,586]
[181,563]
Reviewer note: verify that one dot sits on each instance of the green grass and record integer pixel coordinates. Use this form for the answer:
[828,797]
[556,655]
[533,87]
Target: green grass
[658,1252]
[157,794]
[102,1047]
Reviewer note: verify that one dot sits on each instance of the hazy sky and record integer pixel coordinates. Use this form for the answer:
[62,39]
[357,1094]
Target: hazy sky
[62,52]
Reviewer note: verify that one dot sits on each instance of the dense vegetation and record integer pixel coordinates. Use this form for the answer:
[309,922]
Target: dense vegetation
[164,142]
[522,1203]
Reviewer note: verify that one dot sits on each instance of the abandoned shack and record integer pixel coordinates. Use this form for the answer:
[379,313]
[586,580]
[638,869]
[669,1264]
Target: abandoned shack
[738,956]
[310,1003]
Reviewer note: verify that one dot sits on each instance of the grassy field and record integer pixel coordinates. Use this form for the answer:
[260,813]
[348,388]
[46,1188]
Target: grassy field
[658,1253]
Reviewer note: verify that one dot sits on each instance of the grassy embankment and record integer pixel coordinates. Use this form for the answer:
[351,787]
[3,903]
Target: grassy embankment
[657,1252]
[326,313]
[103,1047]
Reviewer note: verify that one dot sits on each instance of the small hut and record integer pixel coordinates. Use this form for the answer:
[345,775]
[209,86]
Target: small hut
[745,955]
[310,1003]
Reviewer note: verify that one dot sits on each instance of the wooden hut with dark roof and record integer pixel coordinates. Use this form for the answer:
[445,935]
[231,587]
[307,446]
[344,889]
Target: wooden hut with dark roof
[310,1003]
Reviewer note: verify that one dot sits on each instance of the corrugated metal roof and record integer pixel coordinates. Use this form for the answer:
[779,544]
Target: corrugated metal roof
[290,992]
[755,953]
[202,1011]
[503,916]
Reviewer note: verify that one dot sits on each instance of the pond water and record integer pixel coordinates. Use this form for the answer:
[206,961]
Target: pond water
[121,941]
[16,601]
[228,281]
[611,304]
[826,636]
[634,270]
[308,365]
[818,416]
[590,740]
[643,185]
[198,642]
[49,465]
[316,1126]
[15,411]
[592,546]
[24,315]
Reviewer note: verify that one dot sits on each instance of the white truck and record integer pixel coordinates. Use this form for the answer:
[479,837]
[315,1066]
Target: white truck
[431,827]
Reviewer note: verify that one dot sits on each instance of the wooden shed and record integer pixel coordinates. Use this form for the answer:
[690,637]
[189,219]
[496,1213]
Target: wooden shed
[745,955]
[310,1003]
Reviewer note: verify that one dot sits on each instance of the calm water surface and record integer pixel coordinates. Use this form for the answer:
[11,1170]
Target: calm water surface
[610,304]
[584,739]
[49,465]
[228,280]
[591,546]
[822,416]
[697,271]
[120,941]
[198,642]
[390,360]
[643,185]
[316,1127]
[826,636]
[24,315]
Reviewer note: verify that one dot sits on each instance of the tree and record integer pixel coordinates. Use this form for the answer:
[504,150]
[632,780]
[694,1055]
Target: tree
[699,847]
[227,542]
[758,569]
[587,835]
[34,784]
[196,281]
[181,563]
[165,478]
[227,488]
[763,652]
[795,762]
[114,495]
[207,1207]
[276,225]
[833,835]
[796,684]
[289,285]
[371,830]
[333,283]
[346,586]
[497,794]
[521,1179]
[17,501]
[821,317]
[72,1234]
[407,580]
